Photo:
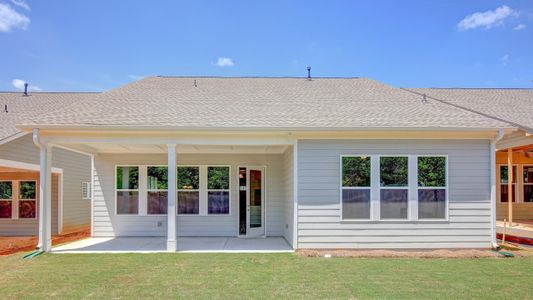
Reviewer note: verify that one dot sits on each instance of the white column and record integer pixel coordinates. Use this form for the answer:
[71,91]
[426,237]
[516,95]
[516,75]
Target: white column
[171,211]
[45,199]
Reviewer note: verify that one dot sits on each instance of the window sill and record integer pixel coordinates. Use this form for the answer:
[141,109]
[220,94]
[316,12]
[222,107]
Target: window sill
[437,221]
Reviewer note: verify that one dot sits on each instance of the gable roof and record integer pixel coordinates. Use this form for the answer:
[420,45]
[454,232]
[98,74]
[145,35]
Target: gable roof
[24,108]
[514,106]
[262,103]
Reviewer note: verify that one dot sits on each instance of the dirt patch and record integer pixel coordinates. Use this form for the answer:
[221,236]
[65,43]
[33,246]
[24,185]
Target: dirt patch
[14,244]
[438,253]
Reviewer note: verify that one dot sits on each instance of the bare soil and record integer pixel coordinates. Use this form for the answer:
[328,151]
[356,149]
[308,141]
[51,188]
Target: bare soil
[14,244]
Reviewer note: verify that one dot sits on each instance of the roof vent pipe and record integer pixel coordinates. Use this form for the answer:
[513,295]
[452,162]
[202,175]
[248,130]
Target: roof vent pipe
[26,89]
[424,98]
[309,73]
[5,109]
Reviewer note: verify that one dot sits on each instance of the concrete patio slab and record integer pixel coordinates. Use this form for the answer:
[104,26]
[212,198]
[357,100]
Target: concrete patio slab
[185,244]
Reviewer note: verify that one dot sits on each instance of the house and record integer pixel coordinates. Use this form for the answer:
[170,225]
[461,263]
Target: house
[322,162]
[515,150]
[19,170]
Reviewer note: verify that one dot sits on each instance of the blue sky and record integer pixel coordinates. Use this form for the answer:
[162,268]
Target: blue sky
[98,45]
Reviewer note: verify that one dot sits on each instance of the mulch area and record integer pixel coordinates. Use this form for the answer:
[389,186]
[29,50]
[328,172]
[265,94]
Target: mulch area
[14,244]
[437,253]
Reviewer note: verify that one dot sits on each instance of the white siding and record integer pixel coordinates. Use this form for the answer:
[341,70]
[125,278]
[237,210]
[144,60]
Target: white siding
[76,169]
[289,203]
[319,220]
[107,223]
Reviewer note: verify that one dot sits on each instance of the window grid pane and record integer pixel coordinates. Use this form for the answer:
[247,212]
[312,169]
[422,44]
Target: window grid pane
[432,171]
[356,204]
[431,203]
[6,190]
[157,202]
[157,178]
[393,203]
[356,171]
[188,202]
[188,178]
[394,171]
[127,178]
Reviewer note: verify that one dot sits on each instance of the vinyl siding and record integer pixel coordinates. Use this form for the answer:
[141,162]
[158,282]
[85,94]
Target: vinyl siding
[319,219]
[107,223]
[22,227]
[289,202]
[76,169]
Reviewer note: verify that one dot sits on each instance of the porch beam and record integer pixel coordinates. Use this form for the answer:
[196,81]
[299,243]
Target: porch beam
[510,179]
[171,209]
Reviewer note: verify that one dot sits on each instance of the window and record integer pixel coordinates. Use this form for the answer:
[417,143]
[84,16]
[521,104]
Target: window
[528,183]
[127,190]
[394,180]
[157,189]
[355,187]
[6,199]
[188,180]
[86,190]
[27,198]
[504,188]
[218,190]
[432,187]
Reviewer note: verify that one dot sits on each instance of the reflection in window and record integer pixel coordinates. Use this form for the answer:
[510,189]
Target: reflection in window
[188,181]
[355,187]
[394,179]
[127,182]
[431,187]
[218,190]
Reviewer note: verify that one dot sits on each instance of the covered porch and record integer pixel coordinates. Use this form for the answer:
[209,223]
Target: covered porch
[182,192]
[184,244]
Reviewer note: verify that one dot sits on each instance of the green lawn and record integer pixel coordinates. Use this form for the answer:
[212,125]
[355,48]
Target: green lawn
[127,276]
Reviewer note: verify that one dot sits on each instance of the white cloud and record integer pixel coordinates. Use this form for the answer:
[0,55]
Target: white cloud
[225,62]
[21,3]
[520,27]
[505,59]
[487,19]
[10,18]
[19,85]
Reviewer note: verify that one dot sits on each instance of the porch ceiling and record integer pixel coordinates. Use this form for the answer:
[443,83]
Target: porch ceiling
[162,149]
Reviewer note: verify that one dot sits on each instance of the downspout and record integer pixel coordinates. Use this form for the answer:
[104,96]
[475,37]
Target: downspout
[493,143]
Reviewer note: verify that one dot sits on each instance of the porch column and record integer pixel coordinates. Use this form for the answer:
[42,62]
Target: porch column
[171,211]
[45,199]
[510,184]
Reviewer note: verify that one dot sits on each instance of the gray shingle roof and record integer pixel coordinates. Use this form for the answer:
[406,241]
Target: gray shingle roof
[511,105]
[252,103]
[22,109]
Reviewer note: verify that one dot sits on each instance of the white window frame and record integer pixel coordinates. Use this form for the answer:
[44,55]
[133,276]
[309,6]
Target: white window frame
[86,190]
[190,190]
[12,200]
[372,204]
[19,199]
[517,192]
[445,188]
[525,183]
[408,187]
[153,190]
[218,190]
[138,190]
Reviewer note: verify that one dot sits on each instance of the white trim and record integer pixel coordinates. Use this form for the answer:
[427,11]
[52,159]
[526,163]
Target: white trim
[407,187]
[295,194]
[445,188]
[92,194]
[342,188]
[26,166]
[127,190]
[60,204]
[178,190]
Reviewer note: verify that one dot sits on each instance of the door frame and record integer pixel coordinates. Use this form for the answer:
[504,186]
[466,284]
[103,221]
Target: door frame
[263,168]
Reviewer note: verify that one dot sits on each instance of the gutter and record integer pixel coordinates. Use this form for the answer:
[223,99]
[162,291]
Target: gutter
[493,143]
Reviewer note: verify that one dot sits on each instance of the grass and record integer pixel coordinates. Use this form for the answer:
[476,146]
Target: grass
[133,276]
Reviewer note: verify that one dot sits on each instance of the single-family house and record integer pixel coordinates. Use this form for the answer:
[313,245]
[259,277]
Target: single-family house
[321,162]
[20,177]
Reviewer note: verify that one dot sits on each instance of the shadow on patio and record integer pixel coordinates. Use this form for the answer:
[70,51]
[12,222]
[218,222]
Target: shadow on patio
[185,244]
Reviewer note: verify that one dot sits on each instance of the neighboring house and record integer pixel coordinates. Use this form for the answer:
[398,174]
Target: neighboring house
[324,163]
[514,106]
[19,170]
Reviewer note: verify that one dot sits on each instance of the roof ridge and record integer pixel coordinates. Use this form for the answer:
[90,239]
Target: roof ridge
[256,77]
[34,92]
[473,88]
[467,109]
